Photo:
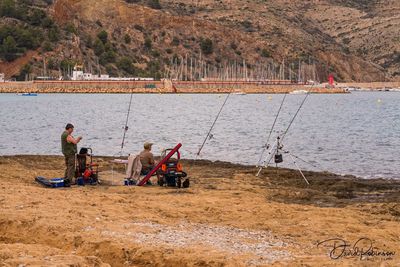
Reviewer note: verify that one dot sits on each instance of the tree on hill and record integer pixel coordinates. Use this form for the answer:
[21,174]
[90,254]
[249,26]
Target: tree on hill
[155,4]
[9,48]
[148,43]
[7,8]
[125,64]
[103,36]
[98,47]
[127,39]
[207,46]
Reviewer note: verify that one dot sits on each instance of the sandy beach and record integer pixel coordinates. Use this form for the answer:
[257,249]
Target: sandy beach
[228,217]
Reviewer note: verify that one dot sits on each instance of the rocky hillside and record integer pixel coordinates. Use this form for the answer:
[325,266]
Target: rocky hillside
[357,40]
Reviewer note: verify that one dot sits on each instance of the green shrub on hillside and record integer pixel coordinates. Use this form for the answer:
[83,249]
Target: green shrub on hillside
[265,53]
[15,40]
[175,41]
[33,27]
[127,39]
[103,36]
[53,34]
[207,46]
[126,64]
[70,28]
[107,57]
[25,11]
[155,4]
[8,8]
[24,72]
[9,48]
[39,18]
[147,43]
[98,47]
[67,65]
[47,46]
[153,69]
[52,64]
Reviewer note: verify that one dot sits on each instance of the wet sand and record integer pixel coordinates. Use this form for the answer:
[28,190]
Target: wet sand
[228,217]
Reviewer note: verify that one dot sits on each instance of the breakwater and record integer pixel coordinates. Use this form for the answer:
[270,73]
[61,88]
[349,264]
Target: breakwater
[165,86]
[371,85]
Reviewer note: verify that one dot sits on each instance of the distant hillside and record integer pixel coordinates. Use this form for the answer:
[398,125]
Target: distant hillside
[357,40]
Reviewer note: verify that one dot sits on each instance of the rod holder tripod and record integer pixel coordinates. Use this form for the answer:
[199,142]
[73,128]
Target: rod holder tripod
[276,154]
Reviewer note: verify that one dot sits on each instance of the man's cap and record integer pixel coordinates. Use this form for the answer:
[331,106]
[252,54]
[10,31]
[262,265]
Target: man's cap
[147,145]
[69,126]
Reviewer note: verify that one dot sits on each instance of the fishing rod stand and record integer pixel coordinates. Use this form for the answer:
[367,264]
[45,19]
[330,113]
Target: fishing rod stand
[276,154]
[297,166]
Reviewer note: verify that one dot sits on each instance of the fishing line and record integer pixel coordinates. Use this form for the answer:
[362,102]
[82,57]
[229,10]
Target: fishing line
[272,128]
[319,167]
[212,126]
[307,162]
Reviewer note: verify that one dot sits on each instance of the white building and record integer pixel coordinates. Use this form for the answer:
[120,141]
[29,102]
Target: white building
[2,79]
[79,75]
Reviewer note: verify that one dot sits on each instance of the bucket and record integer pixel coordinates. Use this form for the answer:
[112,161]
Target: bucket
[80,181]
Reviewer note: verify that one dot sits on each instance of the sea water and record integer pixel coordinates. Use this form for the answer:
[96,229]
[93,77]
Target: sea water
[357,133]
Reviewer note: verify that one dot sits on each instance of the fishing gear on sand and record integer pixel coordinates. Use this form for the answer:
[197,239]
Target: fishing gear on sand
[276,152]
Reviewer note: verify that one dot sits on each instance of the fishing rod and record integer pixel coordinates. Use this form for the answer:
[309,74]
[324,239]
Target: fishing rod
[275,151]
[266,146]
[212,126]
[295,115]
[126,128]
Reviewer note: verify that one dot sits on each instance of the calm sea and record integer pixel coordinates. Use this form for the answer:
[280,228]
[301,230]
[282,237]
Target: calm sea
[356,133]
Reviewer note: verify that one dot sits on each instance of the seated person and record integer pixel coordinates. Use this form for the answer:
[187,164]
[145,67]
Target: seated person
[147,159]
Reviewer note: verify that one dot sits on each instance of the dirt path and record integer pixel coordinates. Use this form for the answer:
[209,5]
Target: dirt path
[13,68]
[226,218]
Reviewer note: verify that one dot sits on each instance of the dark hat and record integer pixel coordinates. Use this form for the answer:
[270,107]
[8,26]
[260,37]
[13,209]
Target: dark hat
[69,126]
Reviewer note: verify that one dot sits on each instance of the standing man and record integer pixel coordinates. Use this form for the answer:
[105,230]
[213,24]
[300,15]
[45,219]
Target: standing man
[147,158]
[69,149]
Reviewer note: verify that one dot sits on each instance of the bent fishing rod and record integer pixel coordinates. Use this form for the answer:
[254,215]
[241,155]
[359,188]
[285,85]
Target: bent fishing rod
[294,117]
[126,128]
[212,126]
